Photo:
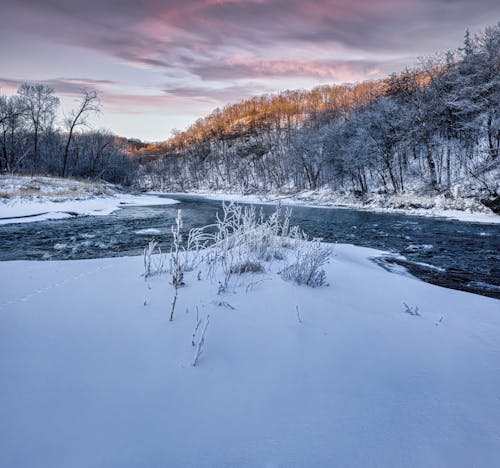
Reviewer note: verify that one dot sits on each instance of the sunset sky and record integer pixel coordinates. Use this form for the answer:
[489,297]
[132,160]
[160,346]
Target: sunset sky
[160,65]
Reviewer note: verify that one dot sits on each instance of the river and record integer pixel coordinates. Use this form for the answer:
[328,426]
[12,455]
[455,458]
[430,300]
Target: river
[455,254]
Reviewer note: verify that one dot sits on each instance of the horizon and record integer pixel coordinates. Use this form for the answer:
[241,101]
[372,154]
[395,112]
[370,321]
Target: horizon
[163,65]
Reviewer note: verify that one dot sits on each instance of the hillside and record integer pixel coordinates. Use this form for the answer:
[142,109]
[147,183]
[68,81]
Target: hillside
[433,130]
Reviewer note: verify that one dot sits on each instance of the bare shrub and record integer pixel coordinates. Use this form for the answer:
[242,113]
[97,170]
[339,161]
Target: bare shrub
[306,270]
[245,237]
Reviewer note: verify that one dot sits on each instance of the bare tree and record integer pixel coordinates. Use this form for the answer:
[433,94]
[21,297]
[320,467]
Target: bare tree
[13,145]
[89,104]
[40,105]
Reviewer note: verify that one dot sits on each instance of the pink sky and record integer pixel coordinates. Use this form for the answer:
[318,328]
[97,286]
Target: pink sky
[161,65]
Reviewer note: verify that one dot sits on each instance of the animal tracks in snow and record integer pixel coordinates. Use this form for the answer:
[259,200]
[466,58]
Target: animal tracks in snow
[55,285]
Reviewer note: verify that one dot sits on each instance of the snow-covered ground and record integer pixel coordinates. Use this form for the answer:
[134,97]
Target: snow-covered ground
[27,199]
[94,375]
[438,206]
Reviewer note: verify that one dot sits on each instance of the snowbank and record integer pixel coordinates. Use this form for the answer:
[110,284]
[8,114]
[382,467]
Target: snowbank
[26,199]
[435,206]
[94,374]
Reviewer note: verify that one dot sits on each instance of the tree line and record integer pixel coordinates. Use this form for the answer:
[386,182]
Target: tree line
[31,142]
[433,128]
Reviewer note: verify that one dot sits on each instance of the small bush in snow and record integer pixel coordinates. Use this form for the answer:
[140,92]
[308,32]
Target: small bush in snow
[306,270]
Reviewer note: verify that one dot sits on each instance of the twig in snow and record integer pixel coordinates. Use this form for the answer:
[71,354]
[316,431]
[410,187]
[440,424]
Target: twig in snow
[174,300]
[252,285]
[411,311]
[198,323]
[201,342]
[225,304]
[299,318]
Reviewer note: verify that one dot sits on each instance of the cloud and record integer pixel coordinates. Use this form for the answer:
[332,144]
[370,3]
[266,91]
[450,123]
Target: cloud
[239,67]
[156,33]
[65,86]
[217,96]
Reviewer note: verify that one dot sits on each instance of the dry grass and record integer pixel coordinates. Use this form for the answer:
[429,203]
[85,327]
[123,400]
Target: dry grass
[246,267]
[51,188]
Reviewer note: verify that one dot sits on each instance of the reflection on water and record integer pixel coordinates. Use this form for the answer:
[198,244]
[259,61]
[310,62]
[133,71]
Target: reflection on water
[445,252]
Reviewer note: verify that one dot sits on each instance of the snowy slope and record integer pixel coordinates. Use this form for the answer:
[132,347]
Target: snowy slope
[94,375]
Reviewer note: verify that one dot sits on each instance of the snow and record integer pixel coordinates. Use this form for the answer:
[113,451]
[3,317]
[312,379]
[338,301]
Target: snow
[26,211]
[27,199]
[473,213]
[93,373]
[148,231]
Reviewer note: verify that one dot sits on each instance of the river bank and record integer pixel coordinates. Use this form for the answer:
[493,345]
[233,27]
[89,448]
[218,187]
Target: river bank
[469,210]
[29,199]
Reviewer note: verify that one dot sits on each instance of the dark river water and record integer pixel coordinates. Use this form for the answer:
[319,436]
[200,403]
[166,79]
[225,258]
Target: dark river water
[449,253]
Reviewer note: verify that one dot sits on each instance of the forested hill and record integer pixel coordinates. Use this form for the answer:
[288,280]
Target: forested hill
[434,128]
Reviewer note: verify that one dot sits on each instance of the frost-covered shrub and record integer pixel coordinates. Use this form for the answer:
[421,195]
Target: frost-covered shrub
[306,270]
[243,236]
[154,259]
[241,241]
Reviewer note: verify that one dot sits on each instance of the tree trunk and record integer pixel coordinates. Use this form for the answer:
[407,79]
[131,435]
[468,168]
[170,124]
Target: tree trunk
[35,155]
[66,151]
[448,166]
[491,146]
[432,168]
